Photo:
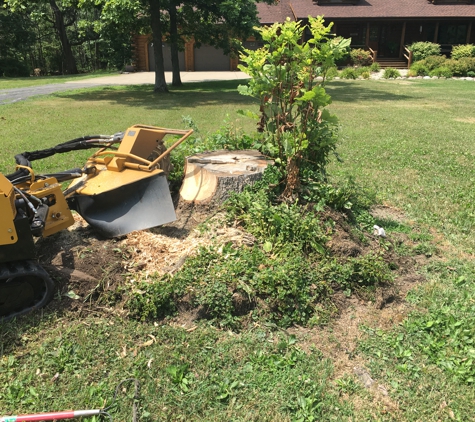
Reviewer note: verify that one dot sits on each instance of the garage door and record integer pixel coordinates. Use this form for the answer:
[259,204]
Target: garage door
[167,58]
[210,58]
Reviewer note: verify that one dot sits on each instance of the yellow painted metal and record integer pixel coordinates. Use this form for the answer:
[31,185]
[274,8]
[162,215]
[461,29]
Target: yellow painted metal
[8,234]
[59,215]
[114,169]
[105,180]
[137,148]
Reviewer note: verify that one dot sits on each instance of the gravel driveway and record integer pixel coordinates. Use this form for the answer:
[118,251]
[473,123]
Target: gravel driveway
[8,96]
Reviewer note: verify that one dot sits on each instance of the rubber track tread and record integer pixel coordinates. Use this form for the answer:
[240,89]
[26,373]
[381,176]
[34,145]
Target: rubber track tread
[27,276]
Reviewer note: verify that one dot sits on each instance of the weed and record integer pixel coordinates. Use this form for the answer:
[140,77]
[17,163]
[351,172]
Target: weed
[347,385]
[180,376]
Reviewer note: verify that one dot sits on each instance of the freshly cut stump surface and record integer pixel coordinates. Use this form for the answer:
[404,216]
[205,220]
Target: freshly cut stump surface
[211,176]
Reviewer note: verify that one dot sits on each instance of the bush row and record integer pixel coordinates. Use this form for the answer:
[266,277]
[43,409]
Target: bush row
[422,50]
[443,67]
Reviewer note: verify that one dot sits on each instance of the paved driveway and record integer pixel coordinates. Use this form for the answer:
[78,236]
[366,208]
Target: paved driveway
[13,95]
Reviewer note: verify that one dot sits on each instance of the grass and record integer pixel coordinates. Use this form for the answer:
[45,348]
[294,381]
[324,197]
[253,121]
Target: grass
[11,83]
[47,121]
[204,375]
[411,142]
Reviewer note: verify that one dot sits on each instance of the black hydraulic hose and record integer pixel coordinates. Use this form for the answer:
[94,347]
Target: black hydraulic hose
[63,176]
[84,142]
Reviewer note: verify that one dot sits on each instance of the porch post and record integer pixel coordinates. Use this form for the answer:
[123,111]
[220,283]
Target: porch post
[469,32]
[367,35]
[436,32]
[403,37]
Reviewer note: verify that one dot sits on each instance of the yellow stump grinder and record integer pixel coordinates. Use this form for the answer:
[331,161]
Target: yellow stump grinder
[122,188]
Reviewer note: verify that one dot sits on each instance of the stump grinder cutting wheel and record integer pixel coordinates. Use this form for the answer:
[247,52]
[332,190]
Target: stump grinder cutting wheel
[119,190]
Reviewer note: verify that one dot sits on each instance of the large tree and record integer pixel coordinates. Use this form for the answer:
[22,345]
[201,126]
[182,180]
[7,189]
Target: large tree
[62,17]
[218,23]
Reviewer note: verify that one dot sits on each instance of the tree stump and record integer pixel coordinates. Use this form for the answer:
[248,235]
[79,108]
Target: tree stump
[211,176]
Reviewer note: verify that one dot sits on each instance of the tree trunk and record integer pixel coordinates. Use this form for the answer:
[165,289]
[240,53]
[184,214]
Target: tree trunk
[292,180]
[176,81]
[155,14]
[174,45]
[69,62]
[211,176]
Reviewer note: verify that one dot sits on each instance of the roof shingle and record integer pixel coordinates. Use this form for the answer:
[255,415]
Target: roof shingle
[384,9]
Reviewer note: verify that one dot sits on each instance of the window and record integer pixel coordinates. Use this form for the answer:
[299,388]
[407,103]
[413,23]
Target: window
[452,34]
[357,33]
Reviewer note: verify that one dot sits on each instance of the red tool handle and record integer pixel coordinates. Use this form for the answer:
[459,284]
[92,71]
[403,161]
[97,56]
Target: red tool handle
[69,414]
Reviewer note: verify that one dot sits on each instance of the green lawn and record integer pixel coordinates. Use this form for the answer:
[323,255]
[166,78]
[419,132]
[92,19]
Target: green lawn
[411,142]
[11,83]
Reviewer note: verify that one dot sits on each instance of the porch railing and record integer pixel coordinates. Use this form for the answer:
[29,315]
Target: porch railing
[409,57]
[374,54]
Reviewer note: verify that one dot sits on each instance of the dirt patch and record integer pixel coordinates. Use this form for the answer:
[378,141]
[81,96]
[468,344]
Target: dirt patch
[86,265]
[467,120]
[88,268]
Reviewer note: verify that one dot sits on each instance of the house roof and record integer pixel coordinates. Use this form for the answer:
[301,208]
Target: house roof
[370,9]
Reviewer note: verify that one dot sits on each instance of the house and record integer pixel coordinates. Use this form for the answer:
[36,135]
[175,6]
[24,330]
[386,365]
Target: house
[385,26]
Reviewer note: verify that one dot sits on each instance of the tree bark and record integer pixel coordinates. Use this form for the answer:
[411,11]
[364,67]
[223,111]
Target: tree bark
[160,82]
[69,62]
[211,176]
[176,81]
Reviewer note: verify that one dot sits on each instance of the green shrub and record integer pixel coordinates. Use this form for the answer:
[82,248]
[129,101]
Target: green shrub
[348,73]
[390,73]
[360,57]
[365,75]
[375,67]
[462,66]
[13,68]
[297,130]
[424,49]
[363,69]
[418,69]
[155,298]
[433,62]
[280,225]
[332,72]
[470,63]
[465,50]
[471,73]
[441,72]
